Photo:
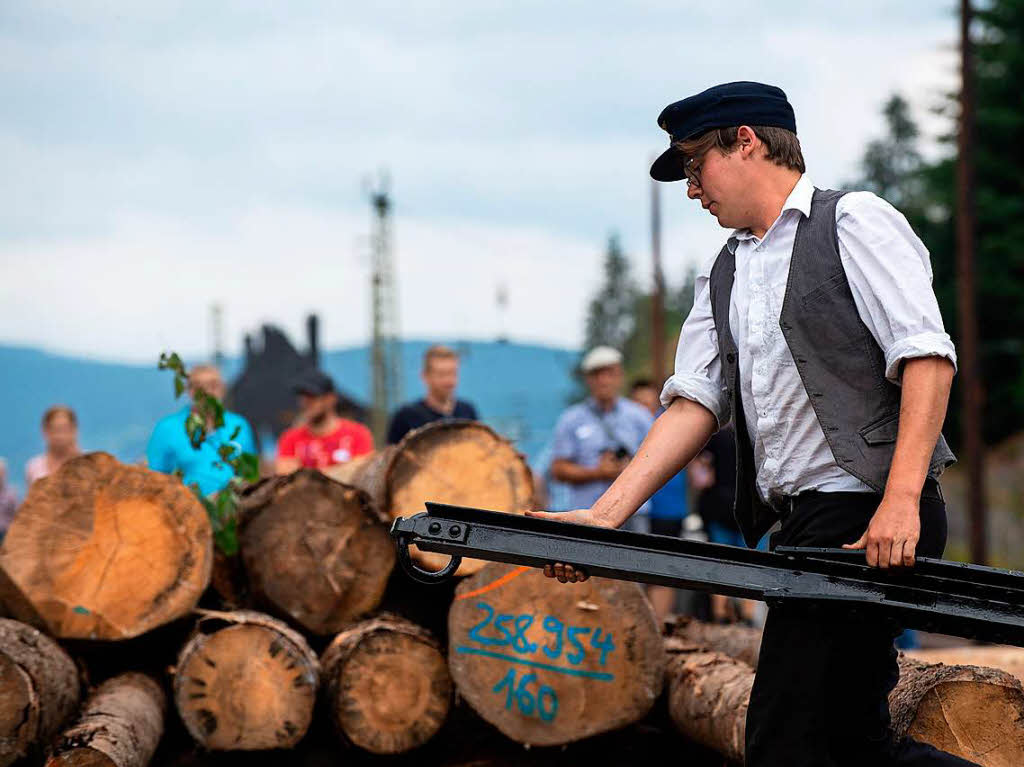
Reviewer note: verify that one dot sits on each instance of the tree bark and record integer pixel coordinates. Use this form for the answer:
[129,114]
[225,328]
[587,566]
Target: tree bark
[101,550]
[245,681]
[386,684]
[708,695]
[1008,659]
[39,689]
[120,726]
[314,550]
[463,463]
[550,663]
[740,642]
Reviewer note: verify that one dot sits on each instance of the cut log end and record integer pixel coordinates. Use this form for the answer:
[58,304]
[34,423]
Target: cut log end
[39,689]
[102,550]
[244,682]
[975,713]
[460,463]
[387,685]
[314,550]
[19,710]
[550,663]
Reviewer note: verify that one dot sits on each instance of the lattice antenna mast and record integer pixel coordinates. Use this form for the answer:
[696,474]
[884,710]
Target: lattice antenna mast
[385,363]
[217,333]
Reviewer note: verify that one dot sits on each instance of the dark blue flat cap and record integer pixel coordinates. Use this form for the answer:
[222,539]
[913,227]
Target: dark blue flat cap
[723,106]
[312,382]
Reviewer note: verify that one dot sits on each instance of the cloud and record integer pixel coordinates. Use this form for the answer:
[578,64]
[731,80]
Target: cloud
[152,139]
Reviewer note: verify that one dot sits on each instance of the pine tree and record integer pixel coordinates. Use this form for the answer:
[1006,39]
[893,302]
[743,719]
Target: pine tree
[926,194]
[610,315]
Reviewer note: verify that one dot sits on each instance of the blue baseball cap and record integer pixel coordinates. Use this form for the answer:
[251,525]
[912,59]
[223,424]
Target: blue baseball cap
[722,106]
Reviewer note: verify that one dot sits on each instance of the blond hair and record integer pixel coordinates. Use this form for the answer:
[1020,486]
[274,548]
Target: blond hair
[438,352]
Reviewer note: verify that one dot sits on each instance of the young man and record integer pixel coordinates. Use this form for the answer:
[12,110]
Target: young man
[322,438]
[440,376]
[169,448]
[595,439]
[815,329]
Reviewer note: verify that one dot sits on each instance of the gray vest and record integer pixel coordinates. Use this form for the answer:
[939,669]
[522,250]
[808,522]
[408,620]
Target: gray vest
[840,363]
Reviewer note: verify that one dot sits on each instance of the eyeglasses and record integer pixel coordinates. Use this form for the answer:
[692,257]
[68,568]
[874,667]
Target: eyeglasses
[692,171]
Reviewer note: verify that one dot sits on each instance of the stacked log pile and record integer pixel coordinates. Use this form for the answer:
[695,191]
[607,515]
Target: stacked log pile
[310,638]
[970,711]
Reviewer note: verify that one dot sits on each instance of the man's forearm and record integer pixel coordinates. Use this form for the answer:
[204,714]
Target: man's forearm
[926,383]
[565,470]
[676,437]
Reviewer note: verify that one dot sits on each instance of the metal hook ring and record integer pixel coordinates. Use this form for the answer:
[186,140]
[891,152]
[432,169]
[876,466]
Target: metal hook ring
[417,573]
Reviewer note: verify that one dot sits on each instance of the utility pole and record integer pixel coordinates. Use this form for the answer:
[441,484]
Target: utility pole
[658,372]
[970,378]
[384,354]
[502,301]
[217,333]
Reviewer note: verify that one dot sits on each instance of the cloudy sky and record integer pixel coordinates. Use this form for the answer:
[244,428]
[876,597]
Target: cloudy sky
[160,157]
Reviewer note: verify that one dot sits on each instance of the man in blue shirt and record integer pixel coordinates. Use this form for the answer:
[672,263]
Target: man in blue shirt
[169,448]
[595,439]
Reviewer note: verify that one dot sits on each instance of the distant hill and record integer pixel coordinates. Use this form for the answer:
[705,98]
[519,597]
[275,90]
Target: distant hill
[519,390]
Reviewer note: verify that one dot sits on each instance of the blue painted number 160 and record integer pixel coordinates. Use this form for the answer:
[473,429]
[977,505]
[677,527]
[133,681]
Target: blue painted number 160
[544,704]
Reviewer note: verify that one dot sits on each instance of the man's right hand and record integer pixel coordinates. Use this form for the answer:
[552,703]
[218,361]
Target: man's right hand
[566,573]
[609,467]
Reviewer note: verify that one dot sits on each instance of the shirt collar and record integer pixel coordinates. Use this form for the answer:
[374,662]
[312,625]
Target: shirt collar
[799,199]
[592,403]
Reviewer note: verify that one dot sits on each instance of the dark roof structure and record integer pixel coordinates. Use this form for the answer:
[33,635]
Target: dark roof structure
[263,391]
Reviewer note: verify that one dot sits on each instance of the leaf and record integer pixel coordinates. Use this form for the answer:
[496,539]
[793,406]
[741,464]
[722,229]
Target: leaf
[224,504]
[247,466]
[179,386]
[226,539]
[195,427]
[234,434]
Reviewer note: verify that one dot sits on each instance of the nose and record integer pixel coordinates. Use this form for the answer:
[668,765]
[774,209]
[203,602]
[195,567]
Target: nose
[693,192]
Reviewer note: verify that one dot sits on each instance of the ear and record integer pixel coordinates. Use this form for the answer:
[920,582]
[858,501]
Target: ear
[747,142]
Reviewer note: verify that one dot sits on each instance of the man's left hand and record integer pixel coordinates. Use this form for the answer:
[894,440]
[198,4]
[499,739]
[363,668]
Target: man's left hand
[892,535]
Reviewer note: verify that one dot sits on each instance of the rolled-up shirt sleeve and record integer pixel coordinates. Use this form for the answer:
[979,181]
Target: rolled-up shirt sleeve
[698,369]
[890,276]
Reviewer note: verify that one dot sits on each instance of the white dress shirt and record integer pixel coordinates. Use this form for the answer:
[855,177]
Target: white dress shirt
[890,276]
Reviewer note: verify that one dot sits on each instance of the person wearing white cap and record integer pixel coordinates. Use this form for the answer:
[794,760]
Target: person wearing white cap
[595,439]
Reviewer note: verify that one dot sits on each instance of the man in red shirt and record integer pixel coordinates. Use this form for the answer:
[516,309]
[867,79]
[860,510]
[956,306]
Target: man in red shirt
[321,438]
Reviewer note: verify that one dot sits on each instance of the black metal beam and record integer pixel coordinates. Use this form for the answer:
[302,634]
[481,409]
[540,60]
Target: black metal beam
[947,597]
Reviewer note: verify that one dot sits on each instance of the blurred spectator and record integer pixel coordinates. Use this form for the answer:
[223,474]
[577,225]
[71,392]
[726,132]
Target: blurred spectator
[60,434]
[644,392]
[170,450]
[440,377]
[713,474]
[321,438]
[668,505]
[8,501]
[595,439]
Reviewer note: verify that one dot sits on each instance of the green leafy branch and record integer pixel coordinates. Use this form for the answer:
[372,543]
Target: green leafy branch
[223,506]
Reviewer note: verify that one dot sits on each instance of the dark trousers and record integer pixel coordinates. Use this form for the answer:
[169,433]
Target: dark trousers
[820,696]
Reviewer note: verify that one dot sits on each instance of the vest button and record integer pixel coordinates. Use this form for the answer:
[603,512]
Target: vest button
[730,358]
